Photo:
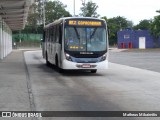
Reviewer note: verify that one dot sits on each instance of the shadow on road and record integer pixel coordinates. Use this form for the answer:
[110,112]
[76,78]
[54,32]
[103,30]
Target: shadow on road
[53,69]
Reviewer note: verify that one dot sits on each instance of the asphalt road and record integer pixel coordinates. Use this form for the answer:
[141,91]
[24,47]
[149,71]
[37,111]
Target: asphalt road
[145,59]
[120,88]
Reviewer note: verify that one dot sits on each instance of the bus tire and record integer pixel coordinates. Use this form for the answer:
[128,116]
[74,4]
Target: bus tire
[93,71]
[57,65]
[47,62]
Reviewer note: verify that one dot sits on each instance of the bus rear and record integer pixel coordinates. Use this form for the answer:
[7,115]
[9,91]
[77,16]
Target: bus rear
[85,44]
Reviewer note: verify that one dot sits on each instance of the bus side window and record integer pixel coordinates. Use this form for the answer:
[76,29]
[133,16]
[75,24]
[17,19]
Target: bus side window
[51,35]
[55,32]
[60,34]
[57,35]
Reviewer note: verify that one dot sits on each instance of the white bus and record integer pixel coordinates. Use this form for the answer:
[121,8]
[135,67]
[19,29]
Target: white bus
[76,43]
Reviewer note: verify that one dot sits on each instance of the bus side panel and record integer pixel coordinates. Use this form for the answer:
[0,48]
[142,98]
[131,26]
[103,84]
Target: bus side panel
[58,53]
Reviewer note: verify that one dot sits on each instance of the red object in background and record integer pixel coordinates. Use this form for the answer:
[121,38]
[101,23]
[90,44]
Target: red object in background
[123,45]
[130,45]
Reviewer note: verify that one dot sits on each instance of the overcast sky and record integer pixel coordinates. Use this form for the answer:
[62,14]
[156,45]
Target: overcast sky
[134,10]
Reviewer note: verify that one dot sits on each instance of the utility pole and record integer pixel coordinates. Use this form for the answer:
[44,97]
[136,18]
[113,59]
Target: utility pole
[74,5]
[44,16]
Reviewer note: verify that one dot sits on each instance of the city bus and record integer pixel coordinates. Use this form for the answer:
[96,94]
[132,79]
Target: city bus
[76,43]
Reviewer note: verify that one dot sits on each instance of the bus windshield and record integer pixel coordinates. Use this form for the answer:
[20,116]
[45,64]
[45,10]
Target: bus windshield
[85,38]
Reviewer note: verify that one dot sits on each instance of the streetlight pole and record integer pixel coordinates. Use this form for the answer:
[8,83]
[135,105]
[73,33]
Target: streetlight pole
[44,16]
[74,7]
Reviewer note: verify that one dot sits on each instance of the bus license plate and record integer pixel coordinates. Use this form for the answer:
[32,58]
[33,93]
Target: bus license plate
[86,65]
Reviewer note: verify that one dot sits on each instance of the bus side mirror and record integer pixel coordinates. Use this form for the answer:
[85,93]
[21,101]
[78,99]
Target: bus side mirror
[109,31]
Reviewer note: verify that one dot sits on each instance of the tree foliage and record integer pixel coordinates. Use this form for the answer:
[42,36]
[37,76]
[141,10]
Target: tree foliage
[115,24]
[158,11]
[55,10]
[155,26]
[89,10]
[155,29]
[143,25]
[130,24]
[33,15]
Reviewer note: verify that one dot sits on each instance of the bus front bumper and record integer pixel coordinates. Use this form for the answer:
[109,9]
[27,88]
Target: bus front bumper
[72,65]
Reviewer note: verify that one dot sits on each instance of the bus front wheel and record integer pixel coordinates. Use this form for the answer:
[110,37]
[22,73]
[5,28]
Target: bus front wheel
[60,70]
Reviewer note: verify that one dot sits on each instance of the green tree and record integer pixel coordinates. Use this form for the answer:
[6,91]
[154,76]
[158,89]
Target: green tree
[129,24]
[33,15]
[105,18]
[116,24]
[155,29]
[89,9]
[55,10]
[143,25]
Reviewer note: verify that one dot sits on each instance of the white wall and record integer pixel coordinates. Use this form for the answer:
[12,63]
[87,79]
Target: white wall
[1,42]
[5,39]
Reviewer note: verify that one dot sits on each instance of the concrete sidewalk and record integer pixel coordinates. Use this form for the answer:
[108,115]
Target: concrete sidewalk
[13,83]
[114,49]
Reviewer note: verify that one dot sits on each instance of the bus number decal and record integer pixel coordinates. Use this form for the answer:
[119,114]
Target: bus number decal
[72,22]
[85,23]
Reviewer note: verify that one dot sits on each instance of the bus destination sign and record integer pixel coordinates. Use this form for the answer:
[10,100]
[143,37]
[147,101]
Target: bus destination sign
[85,23]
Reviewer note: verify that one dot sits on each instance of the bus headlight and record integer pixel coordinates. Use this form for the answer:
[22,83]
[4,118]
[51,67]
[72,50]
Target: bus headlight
[68,57]
[103,57]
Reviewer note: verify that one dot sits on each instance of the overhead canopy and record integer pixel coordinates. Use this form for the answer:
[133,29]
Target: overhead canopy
[14,12]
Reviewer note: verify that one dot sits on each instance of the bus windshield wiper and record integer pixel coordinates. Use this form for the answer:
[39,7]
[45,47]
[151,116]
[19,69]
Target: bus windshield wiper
[77,33]
[93,33]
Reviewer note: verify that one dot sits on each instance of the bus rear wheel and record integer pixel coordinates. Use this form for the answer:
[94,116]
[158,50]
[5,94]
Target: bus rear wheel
[47,62]
[93,71]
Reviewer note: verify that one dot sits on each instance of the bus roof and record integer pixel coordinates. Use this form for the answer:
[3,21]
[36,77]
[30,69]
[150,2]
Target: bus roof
[81,18]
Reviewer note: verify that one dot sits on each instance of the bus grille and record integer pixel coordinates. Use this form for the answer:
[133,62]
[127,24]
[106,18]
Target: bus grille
[86,55]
